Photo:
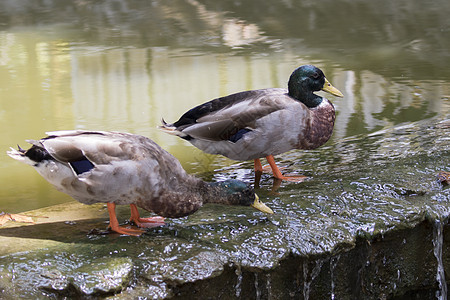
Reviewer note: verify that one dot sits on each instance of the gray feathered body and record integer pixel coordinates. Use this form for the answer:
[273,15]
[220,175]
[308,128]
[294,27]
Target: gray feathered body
[255,124]
[96,166]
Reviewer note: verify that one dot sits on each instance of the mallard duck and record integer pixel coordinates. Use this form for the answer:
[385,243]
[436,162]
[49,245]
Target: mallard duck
[121,169]
[263,123]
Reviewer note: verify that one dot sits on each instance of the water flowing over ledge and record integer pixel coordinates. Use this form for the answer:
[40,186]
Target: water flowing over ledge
[371,222]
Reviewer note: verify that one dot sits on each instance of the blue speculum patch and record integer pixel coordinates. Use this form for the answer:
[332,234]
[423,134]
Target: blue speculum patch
[236,137]
[81,166]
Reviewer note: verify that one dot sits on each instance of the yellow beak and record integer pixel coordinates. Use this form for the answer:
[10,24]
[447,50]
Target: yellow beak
[327,87]
[261,206]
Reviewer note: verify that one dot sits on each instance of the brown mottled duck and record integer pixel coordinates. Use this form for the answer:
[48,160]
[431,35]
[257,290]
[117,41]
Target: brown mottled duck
[127,169]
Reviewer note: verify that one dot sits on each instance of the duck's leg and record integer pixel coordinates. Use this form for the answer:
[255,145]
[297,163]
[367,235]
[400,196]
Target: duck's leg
[114,224]
[258,166]
[258,172]
[144,222]
[277,173]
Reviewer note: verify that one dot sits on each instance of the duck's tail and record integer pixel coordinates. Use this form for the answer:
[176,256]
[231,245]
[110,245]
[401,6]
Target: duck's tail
[170,129]
[20,156]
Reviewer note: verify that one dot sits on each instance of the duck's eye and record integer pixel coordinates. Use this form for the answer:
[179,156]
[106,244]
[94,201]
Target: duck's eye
[315,75]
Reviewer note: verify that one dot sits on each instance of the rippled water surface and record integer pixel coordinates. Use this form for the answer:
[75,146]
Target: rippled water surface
[123,65]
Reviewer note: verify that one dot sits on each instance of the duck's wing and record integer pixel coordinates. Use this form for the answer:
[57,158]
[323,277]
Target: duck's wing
[223,118]
[96,147]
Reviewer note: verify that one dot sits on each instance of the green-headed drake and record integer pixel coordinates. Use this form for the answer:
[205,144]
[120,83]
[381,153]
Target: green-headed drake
[122,168]
[263,123]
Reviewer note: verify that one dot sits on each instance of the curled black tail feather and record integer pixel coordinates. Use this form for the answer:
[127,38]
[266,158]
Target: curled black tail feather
[21,150]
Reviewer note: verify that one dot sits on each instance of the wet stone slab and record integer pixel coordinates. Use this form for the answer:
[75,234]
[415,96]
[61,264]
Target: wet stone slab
[371,222]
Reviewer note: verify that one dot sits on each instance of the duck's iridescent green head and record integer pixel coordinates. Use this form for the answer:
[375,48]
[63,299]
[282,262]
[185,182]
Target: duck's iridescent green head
[239,193]
[306,80]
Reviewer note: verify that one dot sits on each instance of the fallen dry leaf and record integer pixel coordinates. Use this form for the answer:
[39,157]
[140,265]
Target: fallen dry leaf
[21,218]
[15,217]
[4,218]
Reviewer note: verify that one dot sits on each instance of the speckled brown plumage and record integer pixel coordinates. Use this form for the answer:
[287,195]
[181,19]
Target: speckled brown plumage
[318,131]
[122,168]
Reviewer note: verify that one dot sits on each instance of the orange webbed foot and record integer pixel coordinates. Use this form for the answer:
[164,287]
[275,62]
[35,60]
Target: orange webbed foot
[126,231]
[114,224]
[145,222]
[278,175]
[148,222]
[292,178]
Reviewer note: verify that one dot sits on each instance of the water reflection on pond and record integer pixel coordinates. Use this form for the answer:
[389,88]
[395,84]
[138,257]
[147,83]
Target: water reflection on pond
[122,65]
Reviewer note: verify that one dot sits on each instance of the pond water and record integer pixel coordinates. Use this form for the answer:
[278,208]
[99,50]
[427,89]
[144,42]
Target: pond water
[123,65]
